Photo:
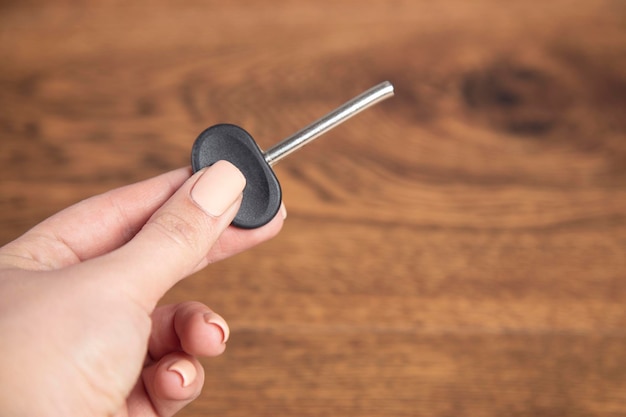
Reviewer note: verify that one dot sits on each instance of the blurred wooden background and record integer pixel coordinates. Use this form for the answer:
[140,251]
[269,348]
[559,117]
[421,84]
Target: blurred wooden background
[458,250]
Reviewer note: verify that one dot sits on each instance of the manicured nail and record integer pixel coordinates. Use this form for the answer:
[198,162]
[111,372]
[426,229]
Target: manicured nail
[186,370]
[219,186]
[217,320]
[283,211]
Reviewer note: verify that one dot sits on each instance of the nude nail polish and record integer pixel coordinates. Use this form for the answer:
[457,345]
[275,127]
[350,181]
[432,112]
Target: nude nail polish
[186,370]
[217,320]
[218,187]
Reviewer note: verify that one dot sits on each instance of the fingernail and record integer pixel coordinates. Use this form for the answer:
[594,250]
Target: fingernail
[283,211]
[186,370]
[219,186]
[217,320]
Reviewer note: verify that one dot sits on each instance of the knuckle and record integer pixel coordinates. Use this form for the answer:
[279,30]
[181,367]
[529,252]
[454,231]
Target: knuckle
[187,231]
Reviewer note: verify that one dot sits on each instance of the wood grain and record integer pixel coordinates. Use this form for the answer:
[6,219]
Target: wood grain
[457,250]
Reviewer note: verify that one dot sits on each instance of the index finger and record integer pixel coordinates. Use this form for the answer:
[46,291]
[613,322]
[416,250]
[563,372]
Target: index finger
[94,226]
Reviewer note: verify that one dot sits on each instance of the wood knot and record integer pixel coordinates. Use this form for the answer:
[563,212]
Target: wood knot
[517,99]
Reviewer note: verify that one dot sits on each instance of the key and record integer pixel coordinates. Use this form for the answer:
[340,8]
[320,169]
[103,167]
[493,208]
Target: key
[262,194]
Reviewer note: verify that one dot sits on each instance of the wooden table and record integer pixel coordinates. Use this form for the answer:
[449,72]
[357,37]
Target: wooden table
[458,250]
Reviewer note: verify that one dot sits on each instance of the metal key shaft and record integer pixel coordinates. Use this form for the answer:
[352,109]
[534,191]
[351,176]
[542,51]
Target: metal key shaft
[351,108]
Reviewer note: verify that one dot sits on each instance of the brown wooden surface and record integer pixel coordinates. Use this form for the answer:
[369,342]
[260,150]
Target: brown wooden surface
[456,251]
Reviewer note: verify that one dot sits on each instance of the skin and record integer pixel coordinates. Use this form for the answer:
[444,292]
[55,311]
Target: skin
[81,333]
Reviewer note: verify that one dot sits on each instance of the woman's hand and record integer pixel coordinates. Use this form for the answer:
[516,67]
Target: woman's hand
[79,331]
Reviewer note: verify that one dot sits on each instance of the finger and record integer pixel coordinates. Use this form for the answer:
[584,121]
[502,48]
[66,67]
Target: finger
[191,327]
[235,240]
[168,386]
[177,239]
[94,226]
[105,222]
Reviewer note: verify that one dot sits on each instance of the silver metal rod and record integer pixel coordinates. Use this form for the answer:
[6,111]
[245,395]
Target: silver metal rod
[334,118]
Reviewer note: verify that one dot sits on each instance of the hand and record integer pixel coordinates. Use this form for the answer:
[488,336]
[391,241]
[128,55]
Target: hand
[79,331]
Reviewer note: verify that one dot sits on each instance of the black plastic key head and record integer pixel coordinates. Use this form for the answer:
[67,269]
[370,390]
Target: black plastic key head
[262,194]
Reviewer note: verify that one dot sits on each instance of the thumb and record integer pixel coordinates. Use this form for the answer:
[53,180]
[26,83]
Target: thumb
[175,241]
